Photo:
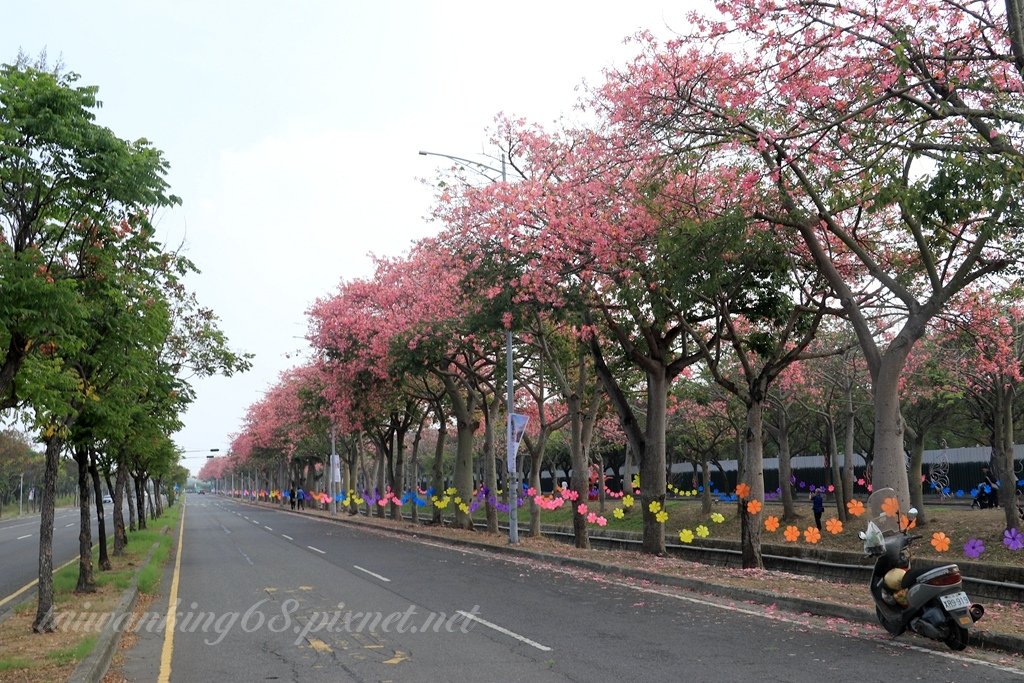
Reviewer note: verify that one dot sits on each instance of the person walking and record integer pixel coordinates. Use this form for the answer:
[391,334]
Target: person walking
[817,505]
[291,497]
[302,498]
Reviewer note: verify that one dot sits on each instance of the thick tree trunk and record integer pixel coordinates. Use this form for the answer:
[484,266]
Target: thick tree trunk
[120,535]
[890,469]
[101,522]
[86,582]
[652,463]
[1002,456]
[753,473]
[580,481]
[44,621]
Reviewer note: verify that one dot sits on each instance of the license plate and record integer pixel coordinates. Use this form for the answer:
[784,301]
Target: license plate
[955,601]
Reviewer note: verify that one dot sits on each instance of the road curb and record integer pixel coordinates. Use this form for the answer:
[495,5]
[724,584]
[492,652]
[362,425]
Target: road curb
[979,638]
[94,666]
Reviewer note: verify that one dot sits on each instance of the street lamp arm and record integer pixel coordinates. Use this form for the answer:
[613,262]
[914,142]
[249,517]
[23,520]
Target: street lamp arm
[477,164]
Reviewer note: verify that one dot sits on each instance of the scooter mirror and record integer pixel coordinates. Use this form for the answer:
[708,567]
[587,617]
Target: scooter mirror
[863,536]
[912,513]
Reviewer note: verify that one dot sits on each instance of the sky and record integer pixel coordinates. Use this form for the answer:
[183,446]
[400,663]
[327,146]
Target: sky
[292,131]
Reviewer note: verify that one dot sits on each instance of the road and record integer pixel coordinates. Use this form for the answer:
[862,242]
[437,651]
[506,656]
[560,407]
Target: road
[19,545]
[270,595]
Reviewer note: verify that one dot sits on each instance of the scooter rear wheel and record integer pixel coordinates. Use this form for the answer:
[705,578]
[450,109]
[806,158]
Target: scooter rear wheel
[957,638]
[894,630]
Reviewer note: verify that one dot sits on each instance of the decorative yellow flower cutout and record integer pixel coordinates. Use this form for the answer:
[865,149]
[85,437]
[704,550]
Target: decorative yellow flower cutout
[686,536]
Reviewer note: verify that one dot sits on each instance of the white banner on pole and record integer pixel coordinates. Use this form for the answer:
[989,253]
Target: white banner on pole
[518,429]
[335,468]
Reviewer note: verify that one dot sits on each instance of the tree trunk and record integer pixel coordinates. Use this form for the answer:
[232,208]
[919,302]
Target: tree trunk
[890,469]
[490,469]
[101,522]
[44,622]
[129,490]
[786,468]
[705,497]
[580,482]
[140,501]
[652,463]
[1002,456]
[837,476]
[536,459]
[914,477]
[753,473]
[850,443]
[120,535]
[157,502]
[437,467]
[86,582]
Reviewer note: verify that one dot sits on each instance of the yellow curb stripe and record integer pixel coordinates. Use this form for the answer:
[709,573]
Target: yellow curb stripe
[32,583]
[172,600]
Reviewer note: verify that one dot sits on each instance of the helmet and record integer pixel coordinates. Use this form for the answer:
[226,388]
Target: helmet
[894,578]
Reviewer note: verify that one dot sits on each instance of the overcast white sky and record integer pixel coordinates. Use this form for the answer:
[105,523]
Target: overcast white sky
[292,129]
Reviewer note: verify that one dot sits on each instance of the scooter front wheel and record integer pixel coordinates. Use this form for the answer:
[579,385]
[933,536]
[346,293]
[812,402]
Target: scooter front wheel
[957,638]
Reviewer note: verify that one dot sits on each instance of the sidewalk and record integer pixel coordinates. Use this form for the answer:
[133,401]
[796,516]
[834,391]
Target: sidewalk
[1002,627]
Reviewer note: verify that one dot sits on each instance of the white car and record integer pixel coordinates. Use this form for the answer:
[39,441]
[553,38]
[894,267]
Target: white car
[107,498]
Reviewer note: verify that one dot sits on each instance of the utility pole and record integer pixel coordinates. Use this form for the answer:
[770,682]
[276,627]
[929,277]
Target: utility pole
[21,494]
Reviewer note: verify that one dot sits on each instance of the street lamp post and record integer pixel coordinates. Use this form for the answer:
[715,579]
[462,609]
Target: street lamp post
[513,476]
[21,494]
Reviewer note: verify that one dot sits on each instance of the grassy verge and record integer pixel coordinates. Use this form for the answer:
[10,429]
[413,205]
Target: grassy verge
[32,658]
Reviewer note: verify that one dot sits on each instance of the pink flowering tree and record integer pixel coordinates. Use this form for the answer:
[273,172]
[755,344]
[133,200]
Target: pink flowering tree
[985,352]
[889,136]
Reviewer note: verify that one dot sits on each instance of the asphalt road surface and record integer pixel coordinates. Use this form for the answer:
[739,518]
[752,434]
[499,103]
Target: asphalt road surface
[271,595]
[19,544]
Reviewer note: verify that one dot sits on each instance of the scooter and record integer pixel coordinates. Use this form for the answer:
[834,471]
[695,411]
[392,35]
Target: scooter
[930,602]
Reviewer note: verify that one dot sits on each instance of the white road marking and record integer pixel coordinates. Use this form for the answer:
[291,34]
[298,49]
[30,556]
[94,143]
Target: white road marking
[67,525]
[500,629]
[25,536]
[245,556]
[322,552]
[267,527]
[288,537]
[373,574]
